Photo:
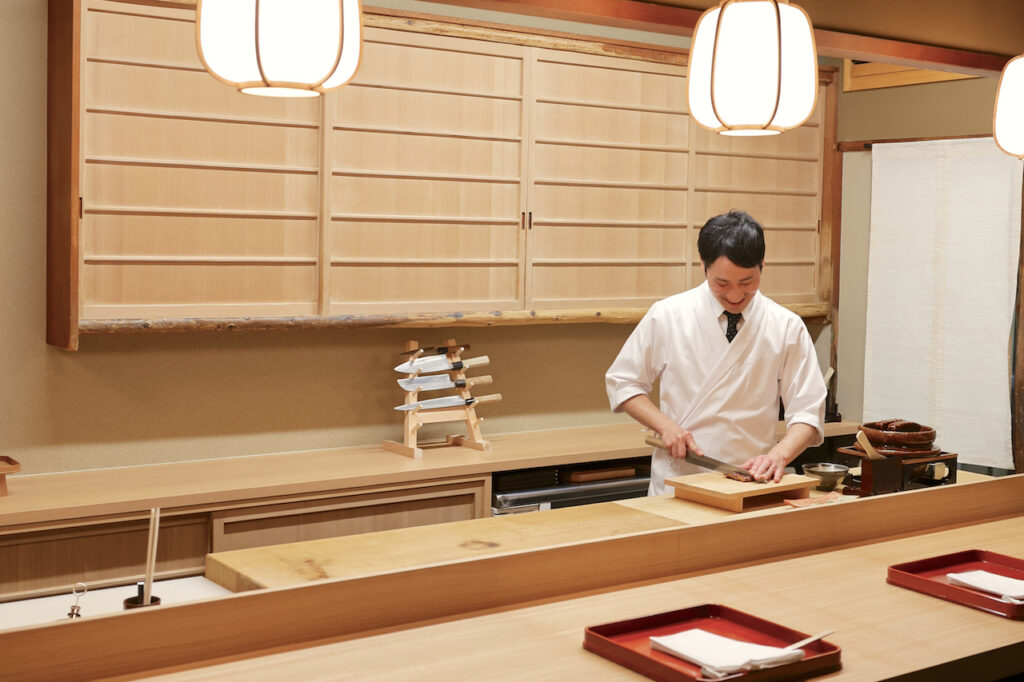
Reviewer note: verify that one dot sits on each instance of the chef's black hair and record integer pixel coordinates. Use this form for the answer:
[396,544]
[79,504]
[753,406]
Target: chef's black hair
[735,235]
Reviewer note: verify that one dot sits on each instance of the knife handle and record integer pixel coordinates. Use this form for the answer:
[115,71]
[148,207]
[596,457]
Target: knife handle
[472,362]
[658,443]
[475,381]
[492,398]
[655,441]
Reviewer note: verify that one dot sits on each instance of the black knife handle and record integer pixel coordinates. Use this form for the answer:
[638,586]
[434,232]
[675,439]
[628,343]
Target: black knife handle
[460,383]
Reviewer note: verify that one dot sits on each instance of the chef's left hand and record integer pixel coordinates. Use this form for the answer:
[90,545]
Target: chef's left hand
[767,467]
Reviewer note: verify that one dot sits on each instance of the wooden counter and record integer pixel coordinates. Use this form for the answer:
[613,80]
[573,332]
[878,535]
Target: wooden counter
[96,492]
[98,519]
[884,631]
[784,565]
[353,556]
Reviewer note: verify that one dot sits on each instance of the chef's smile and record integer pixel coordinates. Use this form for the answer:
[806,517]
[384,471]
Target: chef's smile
[733,286]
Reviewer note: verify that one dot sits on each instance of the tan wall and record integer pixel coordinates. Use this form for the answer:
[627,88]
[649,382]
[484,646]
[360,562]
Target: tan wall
[135,399]
[946,109]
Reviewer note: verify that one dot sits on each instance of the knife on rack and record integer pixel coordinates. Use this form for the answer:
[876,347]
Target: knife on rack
[438,350]
[707,462]
[436,382]
[440,363]
[450,401]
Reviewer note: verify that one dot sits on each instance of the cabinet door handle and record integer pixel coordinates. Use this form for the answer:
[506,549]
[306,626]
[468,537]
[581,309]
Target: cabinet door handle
[529,220]
[522,220]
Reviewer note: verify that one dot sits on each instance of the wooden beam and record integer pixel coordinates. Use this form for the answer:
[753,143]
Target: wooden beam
[1017,387]
[867,48]
[62,191]
[404,320]
[644,16]
[658,18]
[625,14]
[865,145]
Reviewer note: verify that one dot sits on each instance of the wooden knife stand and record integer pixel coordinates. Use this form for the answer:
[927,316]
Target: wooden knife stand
[416,417]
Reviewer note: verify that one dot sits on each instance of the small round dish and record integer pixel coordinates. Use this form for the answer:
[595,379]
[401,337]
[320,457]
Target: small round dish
[828,473]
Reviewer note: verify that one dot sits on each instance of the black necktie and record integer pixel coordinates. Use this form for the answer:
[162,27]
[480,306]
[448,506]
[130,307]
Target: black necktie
[730,328]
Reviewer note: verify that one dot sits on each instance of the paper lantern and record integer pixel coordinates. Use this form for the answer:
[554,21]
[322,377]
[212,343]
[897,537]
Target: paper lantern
[753,68]
[1008,118]
[280,48]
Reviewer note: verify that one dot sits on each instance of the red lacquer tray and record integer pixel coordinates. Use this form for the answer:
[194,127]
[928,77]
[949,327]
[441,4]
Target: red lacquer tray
[929,576]
[628,643]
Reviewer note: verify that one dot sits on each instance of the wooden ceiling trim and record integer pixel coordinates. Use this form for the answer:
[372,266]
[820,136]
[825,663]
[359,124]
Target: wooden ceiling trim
[666,19]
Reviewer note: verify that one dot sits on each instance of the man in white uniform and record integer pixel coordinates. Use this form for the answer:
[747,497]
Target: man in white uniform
[725,355]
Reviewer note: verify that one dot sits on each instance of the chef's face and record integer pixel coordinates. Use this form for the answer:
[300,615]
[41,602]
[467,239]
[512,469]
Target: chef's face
[733,286]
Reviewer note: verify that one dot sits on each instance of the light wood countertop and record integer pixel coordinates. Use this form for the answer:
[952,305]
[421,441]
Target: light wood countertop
[358,555]
[781,565]
[884,631]
[97,492]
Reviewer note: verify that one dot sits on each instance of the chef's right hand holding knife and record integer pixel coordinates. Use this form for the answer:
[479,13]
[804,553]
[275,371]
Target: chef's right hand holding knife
[677,440]
[675,437]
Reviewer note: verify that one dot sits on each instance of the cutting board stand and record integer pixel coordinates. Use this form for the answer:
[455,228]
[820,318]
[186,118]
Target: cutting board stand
[716,490]
[416,418]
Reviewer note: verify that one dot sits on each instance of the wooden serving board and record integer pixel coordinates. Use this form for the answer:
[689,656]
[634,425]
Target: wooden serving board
[718,491]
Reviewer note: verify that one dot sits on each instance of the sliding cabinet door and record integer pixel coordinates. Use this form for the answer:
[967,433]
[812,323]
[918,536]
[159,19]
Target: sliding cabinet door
[609,154]
[425,181]
[197,201]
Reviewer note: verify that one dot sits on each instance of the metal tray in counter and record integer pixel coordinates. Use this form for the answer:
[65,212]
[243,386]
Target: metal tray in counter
[929,576]
[628,643]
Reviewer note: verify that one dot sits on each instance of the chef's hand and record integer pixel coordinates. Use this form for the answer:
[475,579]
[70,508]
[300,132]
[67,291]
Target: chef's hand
[768,466]
[677,440]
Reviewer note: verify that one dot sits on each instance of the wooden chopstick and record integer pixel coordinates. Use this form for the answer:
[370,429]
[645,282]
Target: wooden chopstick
[154,531]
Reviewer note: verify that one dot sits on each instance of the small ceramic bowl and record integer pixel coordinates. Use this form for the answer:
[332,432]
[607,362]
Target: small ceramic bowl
[827,473]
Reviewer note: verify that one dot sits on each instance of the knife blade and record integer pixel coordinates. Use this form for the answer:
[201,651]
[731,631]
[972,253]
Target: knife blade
[440,363]
[435,382]
[450,401]
[705,461]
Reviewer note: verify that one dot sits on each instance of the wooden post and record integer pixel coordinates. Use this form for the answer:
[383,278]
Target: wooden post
[1017,390]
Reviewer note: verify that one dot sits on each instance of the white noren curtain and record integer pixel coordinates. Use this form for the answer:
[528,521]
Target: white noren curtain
[945,232]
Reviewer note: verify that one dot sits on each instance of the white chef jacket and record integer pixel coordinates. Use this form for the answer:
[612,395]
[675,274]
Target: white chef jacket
[726,394]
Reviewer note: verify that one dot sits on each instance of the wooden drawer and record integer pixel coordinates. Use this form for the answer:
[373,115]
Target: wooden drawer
[351,512]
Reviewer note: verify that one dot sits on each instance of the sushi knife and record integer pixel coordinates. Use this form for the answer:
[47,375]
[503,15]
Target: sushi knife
[435,382]
[704,461]
[440,363]
[450,401]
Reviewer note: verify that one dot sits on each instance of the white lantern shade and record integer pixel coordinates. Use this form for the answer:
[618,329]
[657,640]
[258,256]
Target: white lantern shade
[280,48]
[1008,119]
[742,79]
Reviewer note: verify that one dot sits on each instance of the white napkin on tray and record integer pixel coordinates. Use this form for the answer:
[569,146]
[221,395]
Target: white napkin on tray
[989,582]
[723,654]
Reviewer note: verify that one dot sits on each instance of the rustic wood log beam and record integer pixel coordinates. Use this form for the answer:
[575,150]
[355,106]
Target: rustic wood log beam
[497,318]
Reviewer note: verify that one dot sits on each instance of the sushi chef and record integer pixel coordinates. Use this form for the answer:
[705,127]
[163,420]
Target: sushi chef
[725,355]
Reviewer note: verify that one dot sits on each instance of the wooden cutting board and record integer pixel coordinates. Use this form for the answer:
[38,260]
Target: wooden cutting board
[718,491]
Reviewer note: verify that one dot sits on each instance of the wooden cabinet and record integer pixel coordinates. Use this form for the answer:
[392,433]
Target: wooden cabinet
[457,178]
[47,558]
[351,512]
[101,552]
